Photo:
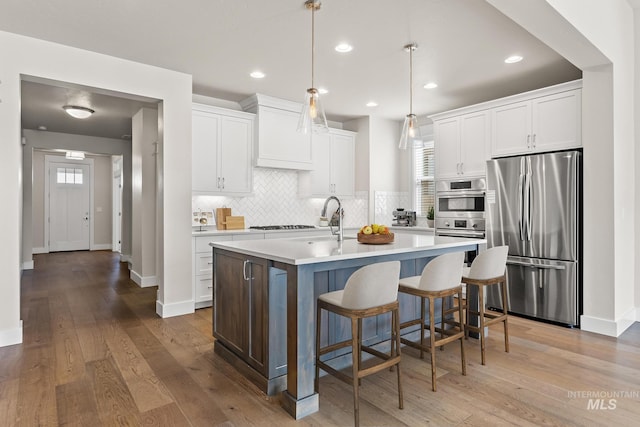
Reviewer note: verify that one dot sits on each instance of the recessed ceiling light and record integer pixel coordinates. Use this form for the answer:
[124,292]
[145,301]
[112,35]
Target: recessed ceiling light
[126,136]
[431,85]
[372,104]
[257,74]
[513,59]
[41,127]
[344,48]
[77,111]
[322,91]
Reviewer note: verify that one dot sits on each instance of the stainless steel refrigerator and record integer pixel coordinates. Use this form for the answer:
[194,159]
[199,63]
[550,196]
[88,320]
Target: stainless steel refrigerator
[534,207]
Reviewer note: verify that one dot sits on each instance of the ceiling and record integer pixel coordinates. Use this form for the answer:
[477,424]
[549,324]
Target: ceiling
[462,45]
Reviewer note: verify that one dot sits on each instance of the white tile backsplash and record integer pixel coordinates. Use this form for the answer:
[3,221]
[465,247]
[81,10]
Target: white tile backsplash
[275,201]
[385,202]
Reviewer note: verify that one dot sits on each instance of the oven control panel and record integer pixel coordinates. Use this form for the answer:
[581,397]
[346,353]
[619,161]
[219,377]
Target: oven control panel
[473,224]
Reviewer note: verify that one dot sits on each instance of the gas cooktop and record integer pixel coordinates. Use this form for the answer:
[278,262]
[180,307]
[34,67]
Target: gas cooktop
[282,227]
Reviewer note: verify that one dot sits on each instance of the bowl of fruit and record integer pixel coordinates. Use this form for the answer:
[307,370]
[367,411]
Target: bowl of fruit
[375,234]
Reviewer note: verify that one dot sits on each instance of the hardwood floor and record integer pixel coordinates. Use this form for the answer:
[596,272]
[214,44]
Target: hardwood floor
[95,353]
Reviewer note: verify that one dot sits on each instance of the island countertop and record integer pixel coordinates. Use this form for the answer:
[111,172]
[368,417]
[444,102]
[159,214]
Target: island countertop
[311,250]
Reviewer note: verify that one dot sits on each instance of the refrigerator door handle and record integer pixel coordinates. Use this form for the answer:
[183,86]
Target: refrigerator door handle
[527,192]
[521,201]
[540,266]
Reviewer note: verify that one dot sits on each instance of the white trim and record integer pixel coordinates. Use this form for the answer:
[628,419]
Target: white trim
[41,250]
[174,309]
[27,265]
[143,282]
[125,258]
[612,328]
[11,336]
[116,203]
[102,247]
[48,159]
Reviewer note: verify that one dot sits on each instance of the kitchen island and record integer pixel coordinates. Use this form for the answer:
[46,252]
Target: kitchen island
[265,294]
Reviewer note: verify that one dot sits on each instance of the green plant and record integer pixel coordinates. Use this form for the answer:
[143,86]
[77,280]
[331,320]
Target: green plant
[431,213]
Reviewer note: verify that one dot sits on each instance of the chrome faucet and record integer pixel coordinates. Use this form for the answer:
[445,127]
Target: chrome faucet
[339,213]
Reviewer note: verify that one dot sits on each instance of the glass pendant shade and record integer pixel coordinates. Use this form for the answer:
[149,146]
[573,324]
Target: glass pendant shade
[312,118]
[410,132]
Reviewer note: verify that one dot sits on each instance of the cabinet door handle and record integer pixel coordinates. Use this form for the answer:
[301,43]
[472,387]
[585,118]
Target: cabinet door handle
[218,182]
[461,168]
[534,140]
[528,141]
[244,269]
[223,182]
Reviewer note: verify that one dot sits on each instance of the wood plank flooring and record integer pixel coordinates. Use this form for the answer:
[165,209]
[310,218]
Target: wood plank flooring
[96,354]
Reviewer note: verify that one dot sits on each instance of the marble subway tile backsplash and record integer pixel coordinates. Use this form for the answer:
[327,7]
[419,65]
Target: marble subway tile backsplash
[275,201]
[385,202]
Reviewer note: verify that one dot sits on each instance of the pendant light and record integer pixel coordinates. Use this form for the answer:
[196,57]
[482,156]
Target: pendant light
[312,118]
[410,130]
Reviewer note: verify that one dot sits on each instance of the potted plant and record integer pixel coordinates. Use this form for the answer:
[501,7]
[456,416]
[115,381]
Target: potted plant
[430,217]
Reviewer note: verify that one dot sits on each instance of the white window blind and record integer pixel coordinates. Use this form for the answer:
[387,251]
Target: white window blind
[424,171]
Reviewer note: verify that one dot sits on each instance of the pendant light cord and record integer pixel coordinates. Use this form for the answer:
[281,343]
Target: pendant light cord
[411,48]
[313,44]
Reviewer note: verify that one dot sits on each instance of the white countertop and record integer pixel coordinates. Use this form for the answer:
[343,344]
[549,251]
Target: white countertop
[310,250]
[212,231]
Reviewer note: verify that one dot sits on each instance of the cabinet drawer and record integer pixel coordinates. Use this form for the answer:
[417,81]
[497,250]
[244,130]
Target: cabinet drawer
[204,263]
[204,288]
[202,242]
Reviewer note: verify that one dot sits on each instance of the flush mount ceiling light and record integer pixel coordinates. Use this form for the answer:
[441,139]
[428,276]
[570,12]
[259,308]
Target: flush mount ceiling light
[322,91]
[431,85]
[75,155]
[513,59]
[312,118]
[410,129]
[257,74]
[78,112]
[344,48]
[372,104]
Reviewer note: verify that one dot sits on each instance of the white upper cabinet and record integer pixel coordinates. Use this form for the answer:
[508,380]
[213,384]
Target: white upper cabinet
[545,123]
[333,171]
[222,142]
[461,144]
[278,143]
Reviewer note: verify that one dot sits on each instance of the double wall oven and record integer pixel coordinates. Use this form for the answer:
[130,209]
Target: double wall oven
[460,208]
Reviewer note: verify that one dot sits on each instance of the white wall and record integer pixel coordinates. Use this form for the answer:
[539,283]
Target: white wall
[636,16]
[599,40]
[23,55]
[144,137]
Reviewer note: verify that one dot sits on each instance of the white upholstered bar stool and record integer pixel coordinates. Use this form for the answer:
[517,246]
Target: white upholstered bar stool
[370,291]
[487,269]
[439,279]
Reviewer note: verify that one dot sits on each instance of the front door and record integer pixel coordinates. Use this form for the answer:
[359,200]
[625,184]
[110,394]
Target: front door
[69,206]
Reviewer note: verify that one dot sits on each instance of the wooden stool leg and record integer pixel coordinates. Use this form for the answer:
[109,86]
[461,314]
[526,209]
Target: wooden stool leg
[432,338]
[506,325]
[316,385]
[355,368]
[422,320]
[481,321]
[442,334]
[396,332]
[460,313]
[359,347]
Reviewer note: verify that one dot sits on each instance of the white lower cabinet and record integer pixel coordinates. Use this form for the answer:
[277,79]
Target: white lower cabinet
[202,257]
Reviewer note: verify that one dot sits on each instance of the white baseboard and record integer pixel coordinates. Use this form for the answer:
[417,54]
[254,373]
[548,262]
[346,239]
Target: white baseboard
[125,258]
[143,281]
[612,328]
[11,336]
[41,250]
[27,265]
[102,247]
[174,309]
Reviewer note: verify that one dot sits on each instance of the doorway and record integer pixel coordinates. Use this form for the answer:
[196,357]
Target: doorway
[68,204]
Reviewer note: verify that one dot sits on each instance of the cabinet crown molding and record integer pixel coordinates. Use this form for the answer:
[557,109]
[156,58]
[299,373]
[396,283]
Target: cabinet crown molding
[252,102]
[537,93]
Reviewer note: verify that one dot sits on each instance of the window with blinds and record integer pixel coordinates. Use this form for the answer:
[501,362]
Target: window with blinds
[424,171]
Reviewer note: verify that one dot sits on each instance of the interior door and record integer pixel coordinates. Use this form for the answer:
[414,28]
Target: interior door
[69,207]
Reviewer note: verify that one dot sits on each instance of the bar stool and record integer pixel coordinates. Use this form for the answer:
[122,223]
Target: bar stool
[440,279]
[370,291]
[487,269]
